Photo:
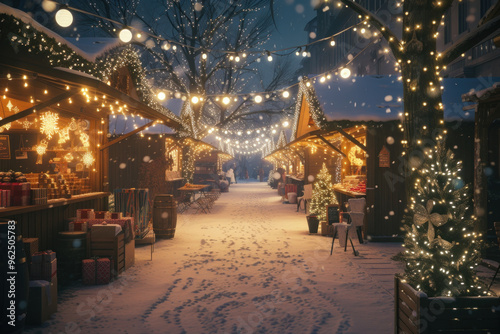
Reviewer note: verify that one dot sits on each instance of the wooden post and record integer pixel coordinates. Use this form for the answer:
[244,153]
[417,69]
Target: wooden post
[480,160]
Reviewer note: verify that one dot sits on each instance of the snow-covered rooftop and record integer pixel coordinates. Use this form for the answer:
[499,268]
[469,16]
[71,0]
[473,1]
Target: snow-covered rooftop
[26,18]
[94,47]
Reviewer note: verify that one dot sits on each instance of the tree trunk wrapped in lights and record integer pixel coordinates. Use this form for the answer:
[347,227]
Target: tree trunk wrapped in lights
[322,194]
[442,248]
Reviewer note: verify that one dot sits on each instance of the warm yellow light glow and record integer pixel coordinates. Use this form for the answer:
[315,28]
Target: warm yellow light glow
[125,35]
[345,73]
[64,18]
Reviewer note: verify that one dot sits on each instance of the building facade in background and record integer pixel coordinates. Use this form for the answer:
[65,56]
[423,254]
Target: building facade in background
[371,53]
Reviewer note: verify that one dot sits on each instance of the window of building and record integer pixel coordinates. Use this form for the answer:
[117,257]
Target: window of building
[485,5]
[447,28]
[462,16]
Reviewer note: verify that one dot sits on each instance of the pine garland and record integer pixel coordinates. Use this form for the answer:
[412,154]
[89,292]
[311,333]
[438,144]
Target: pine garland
[442,249]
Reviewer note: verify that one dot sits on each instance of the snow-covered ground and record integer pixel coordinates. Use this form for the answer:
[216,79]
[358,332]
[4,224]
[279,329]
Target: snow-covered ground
[249,266]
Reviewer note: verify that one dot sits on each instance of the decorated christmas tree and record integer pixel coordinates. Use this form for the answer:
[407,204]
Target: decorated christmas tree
[322,194]
[442,249]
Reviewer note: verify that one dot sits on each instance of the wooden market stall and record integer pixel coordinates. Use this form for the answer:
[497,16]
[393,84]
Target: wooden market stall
[192,161]
[358,153]
[55,124]
[354,126]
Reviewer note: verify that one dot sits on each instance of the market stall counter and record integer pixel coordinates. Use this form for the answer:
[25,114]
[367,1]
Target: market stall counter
[45,221]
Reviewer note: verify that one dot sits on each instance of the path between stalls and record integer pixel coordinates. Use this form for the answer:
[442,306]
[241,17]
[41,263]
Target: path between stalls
[248,266]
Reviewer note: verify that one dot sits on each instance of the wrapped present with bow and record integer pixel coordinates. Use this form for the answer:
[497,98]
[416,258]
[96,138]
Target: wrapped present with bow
[43,266]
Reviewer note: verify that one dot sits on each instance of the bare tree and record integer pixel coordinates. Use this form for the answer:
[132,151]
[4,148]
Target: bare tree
[207,55]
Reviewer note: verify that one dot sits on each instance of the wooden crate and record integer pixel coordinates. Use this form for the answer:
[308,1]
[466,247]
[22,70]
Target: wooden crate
[129,254]
[417,313]
[113,248]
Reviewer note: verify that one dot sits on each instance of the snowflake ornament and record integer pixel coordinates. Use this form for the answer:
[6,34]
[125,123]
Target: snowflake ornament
[73,126]
[26,124]
[63,135]
[84,138]
[49,124]
[88,159]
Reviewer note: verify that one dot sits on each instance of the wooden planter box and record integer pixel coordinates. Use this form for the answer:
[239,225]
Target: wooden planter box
[415,312]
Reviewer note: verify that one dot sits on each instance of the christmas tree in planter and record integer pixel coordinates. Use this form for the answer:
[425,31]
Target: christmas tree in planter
[442,249]
[322,194]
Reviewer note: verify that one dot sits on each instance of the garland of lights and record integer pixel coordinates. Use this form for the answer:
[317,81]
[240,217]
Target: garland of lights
[65,19]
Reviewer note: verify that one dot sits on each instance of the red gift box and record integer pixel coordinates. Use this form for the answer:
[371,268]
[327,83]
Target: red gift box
[78,226]
[103,271]
[49,270]
[19,192]
[88,271]
[84,214]
[116,215]
[96,271]
[43,266]
[102,215]
[4,198]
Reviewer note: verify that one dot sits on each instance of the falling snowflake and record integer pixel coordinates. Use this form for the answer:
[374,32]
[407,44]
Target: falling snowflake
[49,124]
[88,159]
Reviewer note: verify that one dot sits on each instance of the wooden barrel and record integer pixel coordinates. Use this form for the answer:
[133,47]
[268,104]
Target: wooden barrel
[164,216]
[14,278]
[71,250]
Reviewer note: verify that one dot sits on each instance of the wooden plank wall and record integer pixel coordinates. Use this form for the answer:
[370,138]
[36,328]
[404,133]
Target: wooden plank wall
[127,156]
[46,224]
[385,194]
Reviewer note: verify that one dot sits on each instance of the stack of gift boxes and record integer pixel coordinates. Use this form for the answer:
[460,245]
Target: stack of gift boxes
[42,300]
[17,189]
[46,180]
[38,196]
[63,186]
[106,241]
